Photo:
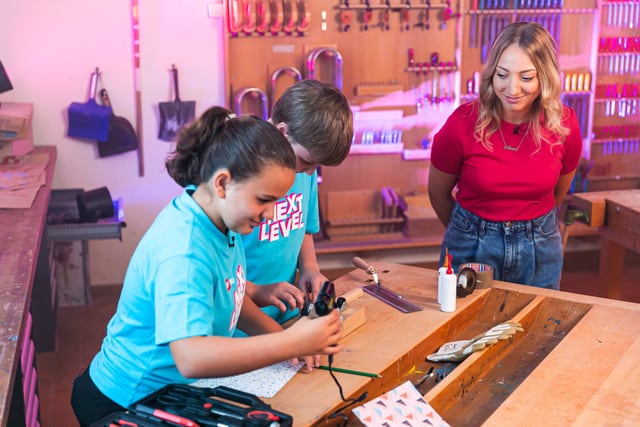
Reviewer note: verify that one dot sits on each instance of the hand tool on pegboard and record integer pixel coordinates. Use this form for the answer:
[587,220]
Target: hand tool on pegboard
[384,19]
[425,16]
[367,15]
[248,23]
[405,16]
[275,11]
[345,17]
[435,82]
[472,26]
[262,24]
[235,17]
[304,17]
[289,13]
[136,82]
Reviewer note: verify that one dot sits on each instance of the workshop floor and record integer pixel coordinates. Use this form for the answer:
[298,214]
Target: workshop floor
[81,329]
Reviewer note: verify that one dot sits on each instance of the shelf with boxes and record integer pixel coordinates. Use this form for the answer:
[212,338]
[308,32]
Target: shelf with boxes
[16,134]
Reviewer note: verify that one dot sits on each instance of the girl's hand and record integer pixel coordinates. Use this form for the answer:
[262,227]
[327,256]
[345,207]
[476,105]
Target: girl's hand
[310,362]
[320,335]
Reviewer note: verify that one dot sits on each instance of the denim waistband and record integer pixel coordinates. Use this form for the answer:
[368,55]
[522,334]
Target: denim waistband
[513,226]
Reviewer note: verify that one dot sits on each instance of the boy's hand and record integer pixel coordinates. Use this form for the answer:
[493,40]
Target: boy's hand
[310,282]
[283,295]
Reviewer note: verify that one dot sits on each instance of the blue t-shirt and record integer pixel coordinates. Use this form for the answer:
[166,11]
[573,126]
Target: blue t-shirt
[184,280]
[272,249]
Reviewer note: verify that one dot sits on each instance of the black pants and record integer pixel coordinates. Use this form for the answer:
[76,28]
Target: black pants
[90,404]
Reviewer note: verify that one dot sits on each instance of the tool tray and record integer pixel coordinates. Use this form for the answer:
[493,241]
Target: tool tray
[185,405]
[130,419]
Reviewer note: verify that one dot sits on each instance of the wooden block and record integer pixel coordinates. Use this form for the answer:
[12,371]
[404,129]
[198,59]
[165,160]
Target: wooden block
[353,295]
[352,318]
[593,205]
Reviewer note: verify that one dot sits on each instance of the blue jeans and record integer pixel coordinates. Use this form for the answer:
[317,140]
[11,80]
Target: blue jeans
[525,252]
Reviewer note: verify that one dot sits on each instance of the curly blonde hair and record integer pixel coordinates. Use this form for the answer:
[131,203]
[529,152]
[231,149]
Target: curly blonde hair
[541,48]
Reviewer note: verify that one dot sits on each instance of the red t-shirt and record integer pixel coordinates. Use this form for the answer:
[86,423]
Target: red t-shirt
[504,185]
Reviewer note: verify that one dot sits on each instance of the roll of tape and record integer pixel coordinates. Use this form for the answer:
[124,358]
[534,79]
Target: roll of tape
[484,273]
[466,282]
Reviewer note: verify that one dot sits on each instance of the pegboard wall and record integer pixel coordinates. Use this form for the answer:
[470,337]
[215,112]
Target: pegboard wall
[371,50]
[405,65]
[373,41]
[419,59]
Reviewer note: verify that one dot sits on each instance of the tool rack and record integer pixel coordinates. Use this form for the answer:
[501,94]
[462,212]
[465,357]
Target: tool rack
[615,143]
[406,65]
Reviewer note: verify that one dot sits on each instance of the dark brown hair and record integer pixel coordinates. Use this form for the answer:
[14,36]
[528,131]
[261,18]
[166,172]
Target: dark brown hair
[319,118]
[218,139]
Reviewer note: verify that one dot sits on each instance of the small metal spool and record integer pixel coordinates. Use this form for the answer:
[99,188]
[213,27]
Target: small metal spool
[466,282]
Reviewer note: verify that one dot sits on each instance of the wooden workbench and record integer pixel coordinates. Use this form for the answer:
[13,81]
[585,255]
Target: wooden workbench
[21,231]
[575,363]
[616,214]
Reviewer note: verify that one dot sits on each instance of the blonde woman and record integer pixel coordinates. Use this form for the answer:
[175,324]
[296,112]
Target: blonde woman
[512,155]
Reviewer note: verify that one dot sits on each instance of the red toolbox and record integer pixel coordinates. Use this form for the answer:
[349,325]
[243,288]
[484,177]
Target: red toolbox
[187,406]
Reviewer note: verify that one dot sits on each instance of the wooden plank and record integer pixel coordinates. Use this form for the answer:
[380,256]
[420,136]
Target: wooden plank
[589,379]
[395,344]
[352,317]
[613,399]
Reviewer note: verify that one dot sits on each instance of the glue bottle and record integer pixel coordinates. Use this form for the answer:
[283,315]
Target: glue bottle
[448,289]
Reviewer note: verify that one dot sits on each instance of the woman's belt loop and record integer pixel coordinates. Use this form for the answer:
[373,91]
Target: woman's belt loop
[530,228]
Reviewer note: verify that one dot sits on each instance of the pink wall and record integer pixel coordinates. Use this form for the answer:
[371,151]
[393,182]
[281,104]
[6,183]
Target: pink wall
[49,49]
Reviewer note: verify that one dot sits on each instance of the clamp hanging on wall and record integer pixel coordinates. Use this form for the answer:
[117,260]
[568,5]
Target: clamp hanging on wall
[312,64]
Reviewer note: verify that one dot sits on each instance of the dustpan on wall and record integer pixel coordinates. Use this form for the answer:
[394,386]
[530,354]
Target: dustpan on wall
[176,113]
[89,120]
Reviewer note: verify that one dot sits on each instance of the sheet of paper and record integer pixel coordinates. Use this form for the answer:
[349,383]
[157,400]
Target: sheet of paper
[265,382]
[401,407]
[20,180]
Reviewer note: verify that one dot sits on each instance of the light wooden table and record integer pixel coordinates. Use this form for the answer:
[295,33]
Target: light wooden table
[616,214]
[575,363]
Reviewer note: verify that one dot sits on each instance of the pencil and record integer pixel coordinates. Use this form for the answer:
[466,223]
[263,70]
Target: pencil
[349,371]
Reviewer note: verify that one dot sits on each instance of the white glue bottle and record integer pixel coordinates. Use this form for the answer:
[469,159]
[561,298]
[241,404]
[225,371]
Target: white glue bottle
[441,272]
[448,291]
